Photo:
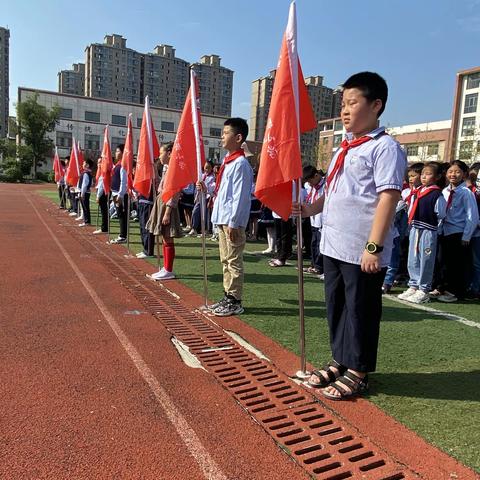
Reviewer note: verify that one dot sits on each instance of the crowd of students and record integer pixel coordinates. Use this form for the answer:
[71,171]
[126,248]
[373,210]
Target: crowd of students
[363,218]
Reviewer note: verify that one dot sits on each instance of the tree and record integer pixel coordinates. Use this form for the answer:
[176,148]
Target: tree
[16,160]
[34,122]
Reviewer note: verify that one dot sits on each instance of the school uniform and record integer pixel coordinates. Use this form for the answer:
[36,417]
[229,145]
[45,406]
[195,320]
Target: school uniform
[427,209]
[231,208]
[354,298]
[61,191]
[474,286]
[209,181]
[145,205]
[314,193]
[119,189]
[460,223]
[103,204]
[86,183]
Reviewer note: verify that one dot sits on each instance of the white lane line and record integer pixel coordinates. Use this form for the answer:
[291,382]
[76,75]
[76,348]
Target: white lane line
[207,464]
[439,313]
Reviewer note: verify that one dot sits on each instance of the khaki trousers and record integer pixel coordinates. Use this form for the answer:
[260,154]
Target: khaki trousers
[231,257]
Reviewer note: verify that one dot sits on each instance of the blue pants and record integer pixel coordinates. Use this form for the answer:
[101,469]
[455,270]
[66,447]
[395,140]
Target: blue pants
[394,262]
[475,278]
[421,258]
[317,257]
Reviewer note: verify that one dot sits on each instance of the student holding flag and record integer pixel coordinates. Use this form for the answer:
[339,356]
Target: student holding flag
[102,200]
[59,171]
[120,195]
[363,186]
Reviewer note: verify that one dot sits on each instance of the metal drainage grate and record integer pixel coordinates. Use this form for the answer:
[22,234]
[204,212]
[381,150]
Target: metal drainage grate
[310,433]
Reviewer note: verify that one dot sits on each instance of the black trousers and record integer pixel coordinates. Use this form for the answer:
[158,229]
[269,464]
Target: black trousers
[284,234]
[86,208]
[457,260]
[317,257]
[354,310]
[122,212]
[148,240]
[61,195]
[103,204]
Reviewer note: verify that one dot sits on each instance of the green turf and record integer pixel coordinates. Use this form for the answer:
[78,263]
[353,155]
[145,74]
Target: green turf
[428,374]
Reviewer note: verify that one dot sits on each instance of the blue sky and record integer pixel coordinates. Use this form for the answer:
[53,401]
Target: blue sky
[417,45]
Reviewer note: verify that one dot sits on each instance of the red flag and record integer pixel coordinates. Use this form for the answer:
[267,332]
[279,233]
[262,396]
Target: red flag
[290,114]
[107,162]
[188,155]
[148,150]
[58,168]
[127,158]
[73,171]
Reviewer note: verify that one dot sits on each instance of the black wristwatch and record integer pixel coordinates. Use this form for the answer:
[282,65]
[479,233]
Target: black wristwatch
[372,247]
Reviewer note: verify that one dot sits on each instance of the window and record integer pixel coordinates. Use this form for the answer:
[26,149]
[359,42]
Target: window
[168,126]
[92,117]
[432,149]
[119,120]
[92,142]
[473,80]
[465,150]
[412,150]
[64,139]
[338,125]
[139,122]
[468,126]
[215,132]
[66,113]
[471,103]
[337,140]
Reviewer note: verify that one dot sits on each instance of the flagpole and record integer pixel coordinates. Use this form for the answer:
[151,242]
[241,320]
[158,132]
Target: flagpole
[198,146]
[292,45]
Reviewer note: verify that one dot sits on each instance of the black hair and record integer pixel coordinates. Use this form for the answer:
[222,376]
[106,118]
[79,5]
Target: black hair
[309,171]
[63,162]
[461,165]
[210,163]
[239,126]
[89,162]
[372,85]
[438,172]
[121,147]
[168,146]
[416,167]
[67,158]
[475,167]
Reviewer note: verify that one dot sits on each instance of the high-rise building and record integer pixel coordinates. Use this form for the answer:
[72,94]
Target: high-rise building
[165,78]
[113,71]
[216,86]
[465,137]
[72,81]
[4,80]
[324,101]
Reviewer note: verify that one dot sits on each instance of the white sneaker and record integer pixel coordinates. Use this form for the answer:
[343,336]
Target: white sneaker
[268,250]
[191,233]
[72,214]
[321,277]
[407,293]
[419,297]
[447,297]
[78,219]
[163,275]
[118,240]
[98,232]
[82,224]
[143,255]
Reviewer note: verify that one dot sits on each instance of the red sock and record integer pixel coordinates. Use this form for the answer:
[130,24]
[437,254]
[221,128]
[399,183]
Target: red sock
[168,257]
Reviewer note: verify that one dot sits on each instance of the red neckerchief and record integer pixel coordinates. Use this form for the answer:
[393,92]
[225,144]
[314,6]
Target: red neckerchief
[450,199]
[419,193]
[228,159]
[413,191]
[473,189]
[312,195]
[346,146]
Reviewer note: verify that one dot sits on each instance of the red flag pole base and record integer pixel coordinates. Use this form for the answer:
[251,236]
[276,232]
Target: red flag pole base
[303,375]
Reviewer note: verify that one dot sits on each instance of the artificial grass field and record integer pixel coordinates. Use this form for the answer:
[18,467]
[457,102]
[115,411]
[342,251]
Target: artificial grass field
[428,373]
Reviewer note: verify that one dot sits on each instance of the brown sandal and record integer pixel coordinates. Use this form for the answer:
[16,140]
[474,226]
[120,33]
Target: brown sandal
[358,386]
[332,376]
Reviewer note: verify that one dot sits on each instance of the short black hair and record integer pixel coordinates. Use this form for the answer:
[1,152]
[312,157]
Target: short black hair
[309,171]
[168,146]
[67,158]
[372,85]
[89,162]
[475,167]
[239,126]
[121,147]
[416,167]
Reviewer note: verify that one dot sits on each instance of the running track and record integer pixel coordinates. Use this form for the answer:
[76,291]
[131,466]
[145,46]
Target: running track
[90,391]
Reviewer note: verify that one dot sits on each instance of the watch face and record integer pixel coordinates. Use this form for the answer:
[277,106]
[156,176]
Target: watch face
[371,248]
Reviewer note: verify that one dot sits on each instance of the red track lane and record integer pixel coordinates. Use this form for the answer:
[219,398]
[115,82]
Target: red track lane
[73,403]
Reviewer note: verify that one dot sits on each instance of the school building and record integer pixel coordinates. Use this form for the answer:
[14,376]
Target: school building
[84,119]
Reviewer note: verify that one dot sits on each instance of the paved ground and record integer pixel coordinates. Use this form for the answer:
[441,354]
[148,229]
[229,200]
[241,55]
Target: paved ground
[91,391]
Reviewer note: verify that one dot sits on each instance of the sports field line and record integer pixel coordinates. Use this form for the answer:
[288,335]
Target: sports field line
[207,464]
[439,313]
